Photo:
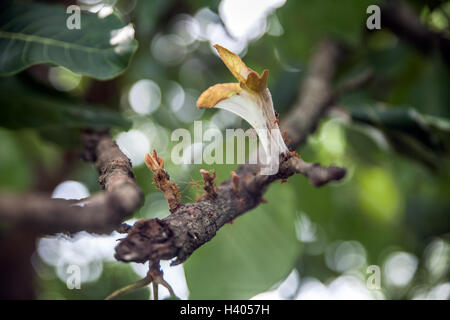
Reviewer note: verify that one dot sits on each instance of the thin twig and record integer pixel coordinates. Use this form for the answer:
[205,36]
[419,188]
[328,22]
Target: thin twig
[132,287]
[166,285]
[154,276]
[155,291]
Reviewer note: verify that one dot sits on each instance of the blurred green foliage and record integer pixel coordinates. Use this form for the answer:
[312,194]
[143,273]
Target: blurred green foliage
[393,139]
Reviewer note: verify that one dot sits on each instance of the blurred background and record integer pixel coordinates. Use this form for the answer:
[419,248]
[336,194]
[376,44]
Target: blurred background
[393,136]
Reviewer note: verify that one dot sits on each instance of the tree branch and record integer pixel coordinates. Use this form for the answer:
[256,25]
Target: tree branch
[193,224]
[101,213]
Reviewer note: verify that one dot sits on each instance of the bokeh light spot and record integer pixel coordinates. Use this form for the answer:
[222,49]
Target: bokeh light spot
[134,144]
[144,96]
[378,194]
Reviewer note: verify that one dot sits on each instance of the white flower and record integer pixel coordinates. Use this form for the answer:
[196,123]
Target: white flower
[251,100]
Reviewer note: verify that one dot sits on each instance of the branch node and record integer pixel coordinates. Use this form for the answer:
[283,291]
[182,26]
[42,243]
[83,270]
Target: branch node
[157,276]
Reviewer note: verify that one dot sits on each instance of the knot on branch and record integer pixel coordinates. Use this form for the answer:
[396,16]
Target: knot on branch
[150,239]
[162,180]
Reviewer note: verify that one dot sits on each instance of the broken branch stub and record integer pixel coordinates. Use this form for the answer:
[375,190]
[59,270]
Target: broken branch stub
[162,180]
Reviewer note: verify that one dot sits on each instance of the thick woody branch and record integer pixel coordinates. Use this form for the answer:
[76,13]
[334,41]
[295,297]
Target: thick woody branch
[178,235]
[193,224]
[100,213]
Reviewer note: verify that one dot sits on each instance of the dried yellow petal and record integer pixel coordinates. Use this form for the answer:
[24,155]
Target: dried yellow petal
[234,63]
[217,93]
[255,82]
[248,78]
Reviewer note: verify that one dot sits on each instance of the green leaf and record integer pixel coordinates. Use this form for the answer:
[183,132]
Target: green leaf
[32,33]
[429,130]
[422,137]
[25,107]
[249,256]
